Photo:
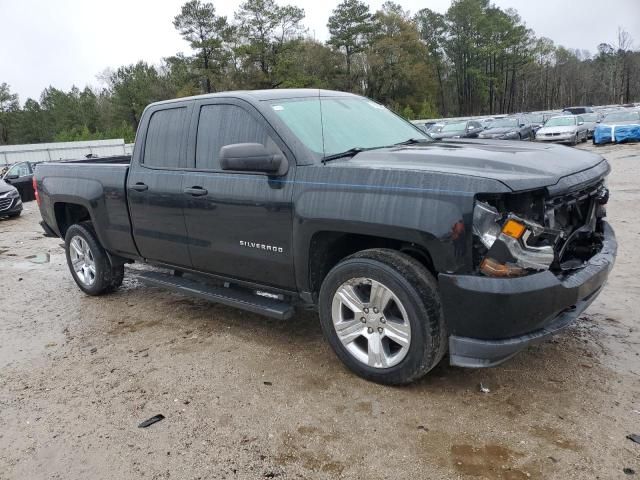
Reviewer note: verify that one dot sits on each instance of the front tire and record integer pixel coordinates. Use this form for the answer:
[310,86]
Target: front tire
[89,263]
[380,311]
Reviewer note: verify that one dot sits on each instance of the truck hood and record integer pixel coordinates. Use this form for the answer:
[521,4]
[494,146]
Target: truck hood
[518,165]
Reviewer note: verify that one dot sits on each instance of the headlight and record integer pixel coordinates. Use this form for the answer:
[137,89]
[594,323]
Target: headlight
[13,194]
[485,223]
[511,134]
[507,239]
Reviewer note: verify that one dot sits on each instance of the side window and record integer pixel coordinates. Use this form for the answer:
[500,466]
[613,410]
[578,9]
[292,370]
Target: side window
[221,125]
[165,136]
[19,169]
[580,119]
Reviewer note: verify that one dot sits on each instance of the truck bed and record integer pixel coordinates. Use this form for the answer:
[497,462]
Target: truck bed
[97,184]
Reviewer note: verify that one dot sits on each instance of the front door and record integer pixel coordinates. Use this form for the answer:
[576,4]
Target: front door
[154,187]
[20,176]
[239,223]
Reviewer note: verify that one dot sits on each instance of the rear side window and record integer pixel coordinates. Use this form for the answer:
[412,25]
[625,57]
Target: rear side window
[221,125]
[165,136]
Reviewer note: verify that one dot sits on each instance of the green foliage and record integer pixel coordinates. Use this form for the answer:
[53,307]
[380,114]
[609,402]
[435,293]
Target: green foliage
[267,38]
[349,26]
[476,58]
[408,113]
[427,110]
[8,105]
[207,34]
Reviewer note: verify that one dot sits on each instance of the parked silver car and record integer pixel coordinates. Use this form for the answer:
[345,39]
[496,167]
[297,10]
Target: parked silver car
[569,129]
[590,121]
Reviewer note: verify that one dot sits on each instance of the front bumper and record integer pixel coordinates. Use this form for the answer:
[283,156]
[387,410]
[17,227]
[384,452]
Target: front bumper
[10,205]
[492,319]
[562,138]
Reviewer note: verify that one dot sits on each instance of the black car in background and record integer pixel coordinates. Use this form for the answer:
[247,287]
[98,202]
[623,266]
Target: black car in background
[509,128]
[20,175]
[10,202]
[459,129]
[577,110]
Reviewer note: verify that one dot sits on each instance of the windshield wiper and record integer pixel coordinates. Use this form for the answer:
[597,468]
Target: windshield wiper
[347,153]
[413,141]
[356,150]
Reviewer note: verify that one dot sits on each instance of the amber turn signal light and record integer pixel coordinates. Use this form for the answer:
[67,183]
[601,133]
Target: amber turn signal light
[492,268]
[513,229]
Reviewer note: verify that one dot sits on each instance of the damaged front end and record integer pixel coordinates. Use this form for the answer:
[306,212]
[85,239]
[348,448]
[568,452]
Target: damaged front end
[522,233]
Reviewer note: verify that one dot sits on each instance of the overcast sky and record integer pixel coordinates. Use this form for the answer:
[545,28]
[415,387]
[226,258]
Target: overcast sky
[67,42]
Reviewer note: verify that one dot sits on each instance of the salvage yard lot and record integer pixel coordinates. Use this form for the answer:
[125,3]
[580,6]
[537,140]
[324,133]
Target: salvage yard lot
[249,397]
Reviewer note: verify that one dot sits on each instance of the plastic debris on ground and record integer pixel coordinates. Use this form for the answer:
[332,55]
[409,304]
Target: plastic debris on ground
[634,437]
[151,421]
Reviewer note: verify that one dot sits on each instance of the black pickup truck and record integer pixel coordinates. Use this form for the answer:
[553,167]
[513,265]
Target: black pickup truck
[410,248]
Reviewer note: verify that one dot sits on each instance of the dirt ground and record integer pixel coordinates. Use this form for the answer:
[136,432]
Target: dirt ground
[248,397]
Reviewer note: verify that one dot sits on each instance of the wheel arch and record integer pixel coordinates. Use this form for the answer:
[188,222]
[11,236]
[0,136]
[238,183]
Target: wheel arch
[69,213]
[328,247]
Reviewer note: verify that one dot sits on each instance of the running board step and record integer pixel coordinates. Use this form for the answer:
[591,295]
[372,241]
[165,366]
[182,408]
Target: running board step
[233,297]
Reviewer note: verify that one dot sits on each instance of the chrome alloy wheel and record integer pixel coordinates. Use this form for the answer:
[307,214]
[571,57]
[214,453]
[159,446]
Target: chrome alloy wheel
[82,260]
[371,322]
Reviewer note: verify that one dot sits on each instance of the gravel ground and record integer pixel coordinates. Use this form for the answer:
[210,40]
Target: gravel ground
[248,397]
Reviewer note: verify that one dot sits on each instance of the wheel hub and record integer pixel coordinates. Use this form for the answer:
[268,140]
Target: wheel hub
[371,322]
[82,260]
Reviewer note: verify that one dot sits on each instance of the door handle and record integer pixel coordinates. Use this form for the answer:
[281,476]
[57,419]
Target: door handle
[139,187]
[196,191]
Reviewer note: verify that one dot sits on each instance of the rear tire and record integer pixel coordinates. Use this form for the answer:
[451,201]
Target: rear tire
[392,331]
[89,263]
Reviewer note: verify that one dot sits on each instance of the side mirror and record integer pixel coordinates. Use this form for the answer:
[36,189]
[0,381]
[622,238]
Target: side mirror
[11,177]
[251,157]
[523,124]
[580,123]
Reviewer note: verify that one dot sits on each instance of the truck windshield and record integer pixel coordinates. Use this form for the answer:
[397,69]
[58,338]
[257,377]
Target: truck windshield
[344,122]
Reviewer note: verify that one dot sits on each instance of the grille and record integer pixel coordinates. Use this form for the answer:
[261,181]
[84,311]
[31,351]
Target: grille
[5,203]
[576,214]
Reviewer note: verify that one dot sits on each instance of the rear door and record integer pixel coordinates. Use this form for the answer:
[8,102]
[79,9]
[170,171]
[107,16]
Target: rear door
[239,223]
[582,126]
[154,185]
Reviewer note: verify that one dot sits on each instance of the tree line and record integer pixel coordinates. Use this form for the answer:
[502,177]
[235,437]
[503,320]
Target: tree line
[474,59]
